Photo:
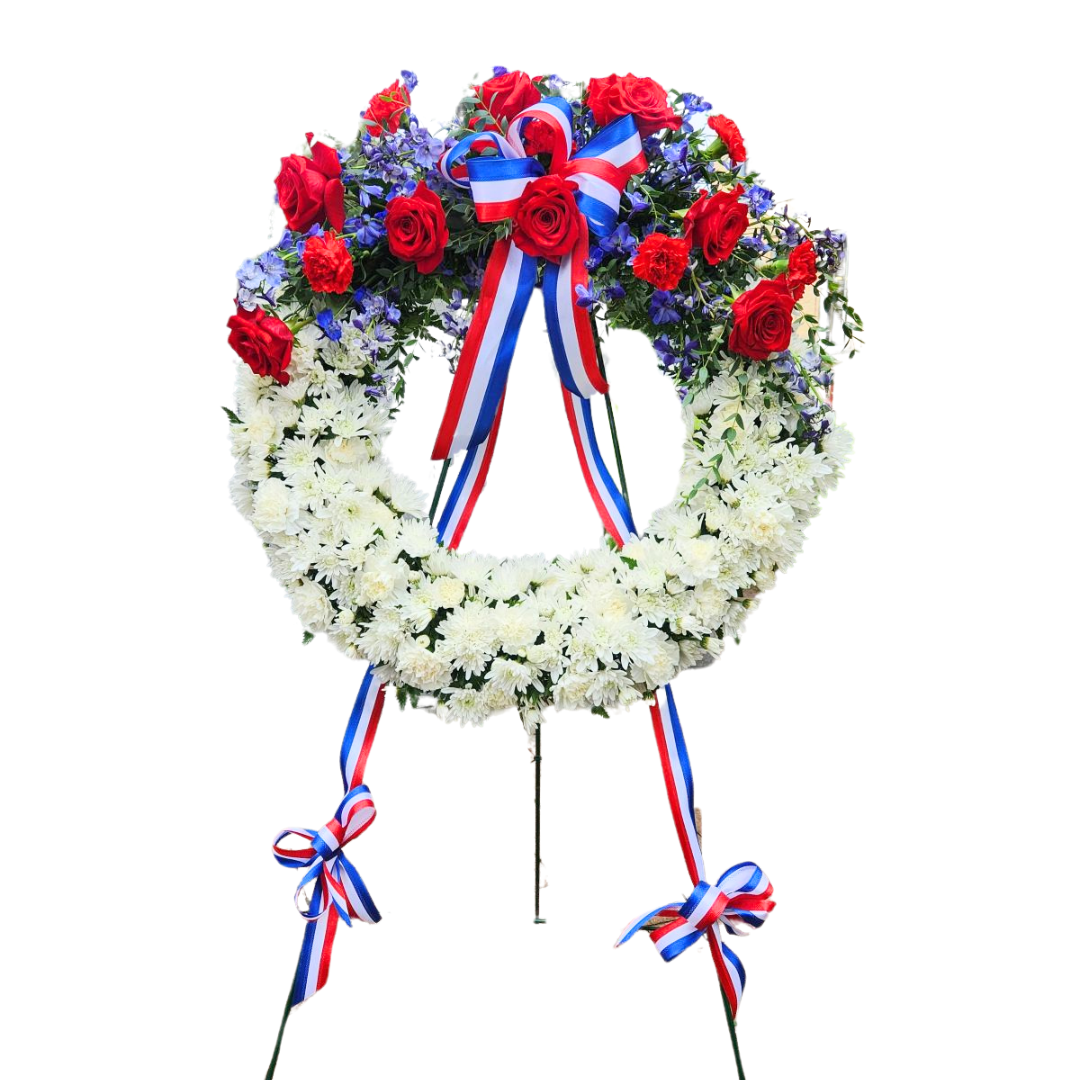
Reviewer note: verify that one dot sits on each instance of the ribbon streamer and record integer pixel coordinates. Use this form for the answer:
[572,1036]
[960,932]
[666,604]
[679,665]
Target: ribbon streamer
[599,173]
[338,891]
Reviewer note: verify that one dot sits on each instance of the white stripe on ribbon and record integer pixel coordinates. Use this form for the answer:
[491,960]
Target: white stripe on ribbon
[488,349]
[577,418]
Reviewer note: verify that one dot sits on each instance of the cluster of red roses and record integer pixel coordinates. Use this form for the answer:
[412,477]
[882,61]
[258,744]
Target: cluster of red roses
[547,223]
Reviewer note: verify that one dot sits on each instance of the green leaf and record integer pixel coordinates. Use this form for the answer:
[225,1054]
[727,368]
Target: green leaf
[308,638]
[233,418]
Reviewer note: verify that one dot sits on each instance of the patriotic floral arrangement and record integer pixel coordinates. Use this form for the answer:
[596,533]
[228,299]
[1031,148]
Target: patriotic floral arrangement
[626,205]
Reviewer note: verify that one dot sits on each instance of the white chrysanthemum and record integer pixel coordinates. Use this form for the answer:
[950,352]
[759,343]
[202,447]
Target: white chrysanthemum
[420,667]
[416,537]
[517,627]
[444,592]
[275,508]
[469,638]
[311,604]
[513,676]
[465,705]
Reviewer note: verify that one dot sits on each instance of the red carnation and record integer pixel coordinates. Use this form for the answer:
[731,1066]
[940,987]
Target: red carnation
[802,268]
[728,132]
[327,263]
[263,342]
[309,189]
[761,320]
[508,94]
[627,95]
[547,222]
[715,222]
[662,260]
[416,228]
[386,109]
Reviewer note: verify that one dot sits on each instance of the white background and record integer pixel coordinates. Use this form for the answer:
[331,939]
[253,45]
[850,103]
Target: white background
[892,740]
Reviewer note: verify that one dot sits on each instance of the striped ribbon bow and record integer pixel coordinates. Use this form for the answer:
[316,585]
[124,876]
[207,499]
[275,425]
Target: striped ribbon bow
[598,172]
[739,899]
[336,882]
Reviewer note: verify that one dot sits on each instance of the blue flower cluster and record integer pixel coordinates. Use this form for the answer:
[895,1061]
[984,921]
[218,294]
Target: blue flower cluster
[260,279]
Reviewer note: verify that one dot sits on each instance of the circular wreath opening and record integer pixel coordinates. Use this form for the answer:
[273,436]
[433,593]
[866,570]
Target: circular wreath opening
[382,253]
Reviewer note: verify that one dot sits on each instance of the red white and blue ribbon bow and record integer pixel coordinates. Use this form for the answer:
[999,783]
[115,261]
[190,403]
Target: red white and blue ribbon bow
[599,172]
[338,891]
[741,898]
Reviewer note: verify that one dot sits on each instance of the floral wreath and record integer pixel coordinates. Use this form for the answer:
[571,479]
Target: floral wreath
[383,251]
[627,205]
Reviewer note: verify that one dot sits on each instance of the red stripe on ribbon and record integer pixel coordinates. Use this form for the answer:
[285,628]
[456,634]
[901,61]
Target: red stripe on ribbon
[481,478]
[473,339]
[583,461]
[582,323]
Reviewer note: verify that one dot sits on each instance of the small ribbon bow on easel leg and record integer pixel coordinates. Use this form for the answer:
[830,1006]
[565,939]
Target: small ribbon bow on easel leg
[338,888]
[738,901]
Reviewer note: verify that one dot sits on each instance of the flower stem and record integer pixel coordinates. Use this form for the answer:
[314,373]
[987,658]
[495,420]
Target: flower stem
[610,413]
[734,1037]
[438,490]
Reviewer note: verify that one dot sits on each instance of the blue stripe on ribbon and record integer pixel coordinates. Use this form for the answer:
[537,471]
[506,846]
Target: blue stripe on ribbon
[500,168]
[617,499]
[684,757]
[354,722]
[608,137]
[562,105]
[493,392]
[555,328]
[736,963]
[601,217]
[458,490]
[307,950]
[678,947]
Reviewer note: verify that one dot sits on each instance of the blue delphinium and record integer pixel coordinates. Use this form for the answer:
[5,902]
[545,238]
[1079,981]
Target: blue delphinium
[619,242]
[585,297]
[329,326]
[760,200]
[369,228]
[410,80]
[664,307]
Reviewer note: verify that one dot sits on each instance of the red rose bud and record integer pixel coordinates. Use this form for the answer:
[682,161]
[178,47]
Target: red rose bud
[627,95]
[416,228]
[506,95]
[662,260]
[802,268]
[761,320]
[547,222]
[386,109]
[728,133]
[715,222]
[328,265]
[310,190]
[263,342]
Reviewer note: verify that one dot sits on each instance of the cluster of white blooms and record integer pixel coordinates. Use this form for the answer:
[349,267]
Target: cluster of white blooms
[350,541]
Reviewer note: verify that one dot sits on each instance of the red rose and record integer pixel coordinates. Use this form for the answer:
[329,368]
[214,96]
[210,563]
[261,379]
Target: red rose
[386,108]
[662,260]
[802,268]
[416,228]
[715,223]
[309,189]
[548,222]
[507,95]
[327,263]
[627,95]
[728,132]
[262,342]
[761,320]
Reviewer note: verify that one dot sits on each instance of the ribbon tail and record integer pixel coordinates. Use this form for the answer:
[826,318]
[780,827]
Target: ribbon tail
[484,364]
[639,924]
[569,326]
[467,487]
[313,967]
[608,499]
[729,970]
[360,731]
